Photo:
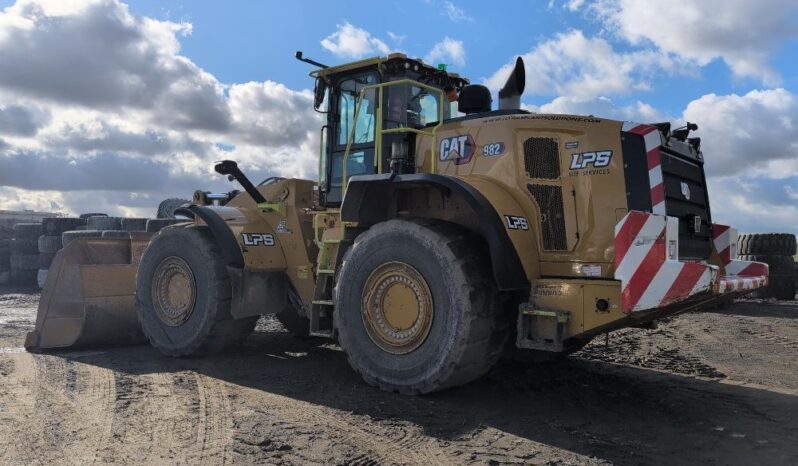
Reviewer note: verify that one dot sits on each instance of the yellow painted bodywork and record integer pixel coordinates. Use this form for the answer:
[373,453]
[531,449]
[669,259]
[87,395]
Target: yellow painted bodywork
[592,204]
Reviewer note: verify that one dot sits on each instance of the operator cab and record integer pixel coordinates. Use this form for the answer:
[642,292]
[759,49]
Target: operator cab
[417,97]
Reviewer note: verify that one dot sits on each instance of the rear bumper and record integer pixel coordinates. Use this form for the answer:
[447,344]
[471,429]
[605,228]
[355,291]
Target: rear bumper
[653,277]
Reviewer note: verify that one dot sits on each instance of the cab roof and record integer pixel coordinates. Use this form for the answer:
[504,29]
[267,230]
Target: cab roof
[376,61]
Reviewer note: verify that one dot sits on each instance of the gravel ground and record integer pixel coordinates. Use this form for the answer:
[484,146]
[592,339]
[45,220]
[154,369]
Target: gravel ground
[718,387]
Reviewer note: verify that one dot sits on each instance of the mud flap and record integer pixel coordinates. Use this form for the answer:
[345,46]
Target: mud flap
[89,297]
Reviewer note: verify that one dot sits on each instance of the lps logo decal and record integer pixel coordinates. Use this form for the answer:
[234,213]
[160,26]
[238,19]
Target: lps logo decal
[459,149]
[257,239]
[598,159]
[514,222]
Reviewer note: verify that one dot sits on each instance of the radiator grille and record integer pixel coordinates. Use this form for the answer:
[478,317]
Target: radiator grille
[552,217]
[542,158]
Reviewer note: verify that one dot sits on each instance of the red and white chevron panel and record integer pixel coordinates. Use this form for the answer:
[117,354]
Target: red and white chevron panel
[646,263]
[724,240]
[730,283]
[738,275]
[653,140]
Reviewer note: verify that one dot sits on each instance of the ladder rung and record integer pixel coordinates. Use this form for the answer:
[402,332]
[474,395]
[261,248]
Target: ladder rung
[322,333]
[323,302]
[325,271]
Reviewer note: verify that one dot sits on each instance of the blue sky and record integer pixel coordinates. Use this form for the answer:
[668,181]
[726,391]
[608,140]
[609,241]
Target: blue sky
[248,40]
[119,104]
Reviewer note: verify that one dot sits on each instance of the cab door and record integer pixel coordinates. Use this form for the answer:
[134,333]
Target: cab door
[343,125]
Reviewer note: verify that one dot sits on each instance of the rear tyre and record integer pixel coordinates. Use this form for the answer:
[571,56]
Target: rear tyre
[417,309]
[183,295]
[781,276]
[766,243]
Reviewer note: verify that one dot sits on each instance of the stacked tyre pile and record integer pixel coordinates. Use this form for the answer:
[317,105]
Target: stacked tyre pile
[103,226]
[50,242]
[777,251]
[5,260]
[24,254]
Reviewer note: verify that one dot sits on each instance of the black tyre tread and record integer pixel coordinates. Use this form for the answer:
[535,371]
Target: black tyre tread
[27,230]
[224,332]
[133,224]
[104,223]
[48,244]
[24,246]
[487,329]
[766,243]
[23,277]
[166,209]
[154,225]
[69,236]
[24,261]
[115,234]
[781,279]
[54,226]
[46,260]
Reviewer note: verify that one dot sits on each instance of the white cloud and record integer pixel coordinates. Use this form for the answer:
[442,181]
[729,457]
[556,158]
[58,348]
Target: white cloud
[744,133]
[449,51]
[349,41]
[100,112]
[603,107]
[574,5]
[455,13]
[397,38]
[743,33]
[754,204]
[578,66]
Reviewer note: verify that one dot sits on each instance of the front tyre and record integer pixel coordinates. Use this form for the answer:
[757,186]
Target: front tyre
[417,309]
[183,295]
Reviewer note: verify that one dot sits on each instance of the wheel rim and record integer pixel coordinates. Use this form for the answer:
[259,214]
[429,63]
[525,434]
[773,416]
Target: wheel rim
[397,308]
[174,291]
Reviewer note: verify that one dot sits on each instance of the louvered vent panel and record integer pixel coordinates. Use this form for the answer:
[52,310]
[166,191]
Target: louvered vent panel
[552,217]
[542,158]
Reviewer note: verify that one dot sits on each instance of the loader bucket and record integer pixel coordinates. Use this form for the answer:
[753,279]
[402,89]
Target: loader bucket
[89,296]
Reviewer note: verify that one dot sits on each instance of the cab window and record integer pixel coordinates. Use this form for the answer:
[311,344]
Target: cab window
[347,106]
[410,106]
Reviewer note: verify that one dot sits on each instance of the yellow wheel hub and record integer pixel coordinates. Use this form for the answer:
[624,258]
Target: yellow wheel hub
[397,308]
[174,291]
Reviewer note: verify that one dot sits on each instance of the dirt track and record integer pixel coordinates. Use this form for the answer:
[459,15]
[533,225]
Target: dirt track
[711,388]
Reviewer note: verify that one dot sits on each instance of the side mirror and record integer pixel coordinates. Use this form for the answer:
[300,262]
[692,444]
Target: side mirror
[319,93]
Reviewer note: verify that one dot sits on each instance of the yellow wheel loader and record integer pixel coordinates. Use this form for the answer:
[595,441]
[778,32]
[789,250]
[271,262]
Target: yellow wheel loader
[441,232]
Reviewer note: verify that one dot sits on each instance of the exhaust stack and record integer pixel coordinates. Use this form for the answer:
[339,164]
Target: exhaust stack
[510,94]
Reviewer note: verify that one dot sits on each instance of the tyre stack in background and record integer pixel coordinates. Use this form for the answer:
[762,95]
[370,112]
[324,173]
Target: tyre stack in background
[24,254]
[49,242]
[103,226]
[154,225]
[5,260]
[777,251]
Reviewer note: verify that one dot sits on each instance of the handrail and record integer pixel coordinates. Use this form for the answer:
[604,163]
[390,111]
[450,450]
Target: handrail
[322,176]
[381,130]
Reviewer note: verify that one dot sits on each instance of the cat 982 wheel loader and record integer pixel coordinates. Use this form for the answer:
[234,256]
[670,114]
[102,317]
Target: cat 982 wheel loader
[441,232]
